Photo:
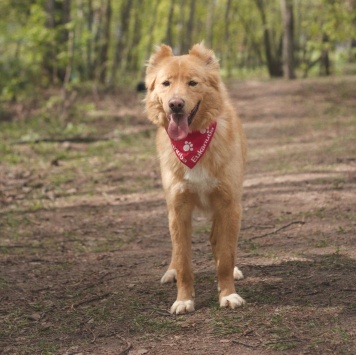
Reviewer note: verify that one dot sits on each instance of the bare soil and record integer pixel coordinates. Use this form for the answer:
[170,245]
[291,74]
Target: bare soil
[84,237]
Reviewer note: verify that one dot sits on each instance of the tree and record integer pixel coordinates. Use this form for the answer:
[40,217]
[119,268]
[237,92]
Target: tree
[122,37]
[105,42]
[46,42]
[169,36]
[288,38]
[58,17]
[273,56]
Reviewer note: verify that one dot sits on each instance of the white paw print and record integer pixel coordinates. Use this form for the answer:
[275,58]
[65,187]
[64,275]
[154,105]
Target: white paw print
[187,146]
[203,131]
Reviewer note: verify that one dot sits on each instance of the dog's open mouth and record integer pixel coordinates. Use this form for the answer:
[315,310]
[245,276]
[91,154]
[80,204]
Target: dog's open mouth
[178,126]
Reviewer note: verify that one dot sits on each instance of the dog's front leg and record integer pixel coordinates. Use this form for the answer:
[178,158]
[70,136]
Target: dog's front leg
[223,238]
[180,225]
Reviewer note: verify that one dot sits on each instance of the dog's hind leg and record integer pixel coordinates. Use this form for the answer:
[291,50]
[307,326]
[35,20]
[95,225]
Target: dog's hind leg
[169,276]
[238,275]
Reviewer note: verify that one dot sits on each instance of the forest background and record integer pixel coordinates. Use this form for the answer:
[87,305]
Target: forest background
[106,43]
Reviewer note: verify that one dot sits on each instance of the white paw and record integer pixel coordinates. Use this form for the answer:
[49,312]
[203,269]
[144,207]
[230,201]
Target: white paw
[233,300]
[238,275]
[169,276]
[181,307]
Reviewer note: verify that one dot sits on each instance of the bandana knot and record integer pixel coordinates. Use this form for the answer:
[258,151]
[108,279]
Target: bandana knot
[192,148]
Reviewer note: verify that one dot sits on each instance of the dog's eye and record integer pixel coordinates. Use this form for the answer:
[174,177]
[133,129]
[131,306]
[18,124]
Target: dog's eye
[192,83]
[166,83]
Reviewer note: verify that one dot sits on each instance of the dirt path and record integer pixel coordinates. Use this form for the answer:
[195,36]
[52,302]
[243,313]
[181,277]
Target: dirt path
[84,237]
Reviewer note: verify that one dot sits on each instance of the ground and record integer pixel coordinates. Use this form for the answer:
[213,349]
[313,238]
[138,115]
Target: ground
[84,237]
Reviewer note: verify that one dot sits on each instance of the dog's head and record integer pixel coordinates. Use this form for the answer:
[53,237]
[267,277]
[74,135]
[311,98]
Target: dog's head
[183,92]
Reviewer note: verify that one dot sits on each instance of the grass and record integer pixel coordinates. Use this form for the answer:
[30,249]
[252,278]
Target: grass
[154,325]
[225,322]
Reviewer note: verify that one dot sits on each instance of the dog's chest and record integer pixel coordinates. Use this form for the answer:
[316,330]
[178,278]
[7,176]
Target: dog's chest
[199,181]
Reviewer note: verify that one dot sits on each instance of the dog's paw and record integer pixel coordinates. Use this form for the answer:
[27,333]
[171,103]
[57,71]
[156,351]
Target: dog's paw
[238,275]
[169,276]
[181,307]
[232,301]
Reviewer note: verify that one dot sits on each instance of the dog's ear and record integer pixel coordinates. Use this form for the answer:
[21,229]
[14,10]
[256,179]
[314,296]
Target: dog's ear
[163,51]
[207,55]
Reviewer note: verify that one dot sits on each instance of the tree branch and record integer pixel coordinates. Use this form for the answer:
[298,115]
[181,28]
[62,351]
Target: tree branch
[277,230]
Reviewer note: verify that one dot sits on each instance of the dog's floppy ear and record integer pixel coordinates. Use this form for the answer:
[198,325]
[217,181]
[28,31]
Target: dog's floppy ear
[162,51]
[207,55]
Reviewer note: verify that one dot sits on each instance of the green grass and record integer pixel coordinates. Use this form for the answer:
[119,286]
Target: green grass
[225,327]
[148,325]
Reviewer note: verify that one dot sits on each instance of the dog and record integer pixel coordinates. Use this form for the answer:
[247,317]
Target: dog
[202,152]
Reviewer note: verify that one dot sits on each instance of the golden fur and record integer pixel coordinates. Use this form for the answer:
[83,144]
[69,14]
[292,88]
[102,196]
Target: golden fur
[214,185]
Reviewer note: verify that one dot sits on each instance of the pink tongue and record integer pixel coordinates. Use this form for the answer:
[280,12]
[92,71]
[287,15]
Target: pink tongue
[178,126]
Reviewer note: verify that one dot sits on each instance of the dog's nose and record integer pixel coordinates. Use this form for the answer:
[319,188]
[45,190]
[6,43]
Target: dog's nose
[176,104]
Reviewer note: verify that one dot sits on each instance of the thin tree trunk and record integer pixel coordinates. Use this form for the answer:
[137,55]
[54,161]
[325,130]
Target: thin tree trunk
[150,41]
[104,45]
[98,24]
[132,54]
[324,58]
[190,27]
[169,37]
[121,38]
[58,15]
[288,39]
[227,50]
[210,24]
[69,66]
[181,27]
[273,62]
[89,42]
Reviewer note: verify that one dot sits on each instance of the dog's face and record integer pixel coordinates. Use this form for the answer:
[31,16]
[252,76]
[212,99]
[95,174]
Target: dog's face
[183,91]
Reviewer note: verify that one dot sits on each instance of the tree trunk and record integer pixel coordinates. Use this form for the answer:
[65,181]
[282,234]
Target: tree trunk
[227,50]
[89,42]
[169,37]
[274,64]
[104,43]
[288,39]
[181,27]
[132,55]
[324,58]
[58,15]
[210,24]
[122,34]
[188,42]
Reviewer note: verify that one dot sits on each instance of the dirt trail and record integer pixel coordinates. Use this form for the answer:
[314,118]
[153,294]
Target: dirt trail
[84,236]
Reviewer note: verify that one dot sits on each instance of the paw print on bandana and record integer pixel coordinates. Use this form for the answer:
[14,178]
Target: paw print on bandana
[187,146]
[203,131]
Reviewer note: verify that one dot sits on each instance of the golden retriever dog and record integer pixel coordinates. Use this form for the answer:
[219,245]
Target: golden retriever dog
[202,150]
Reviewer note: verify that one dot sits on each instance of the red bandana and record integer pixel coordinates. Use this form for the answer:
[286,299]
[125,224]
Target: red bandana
[193,147]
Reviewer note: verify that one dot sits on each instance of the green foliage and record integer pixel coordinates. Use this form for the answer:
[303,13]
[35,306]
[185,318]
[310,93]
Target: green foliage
[110,41]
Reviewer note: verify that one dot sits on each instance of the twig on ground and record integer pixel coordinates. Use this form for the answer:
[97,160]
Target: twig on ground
[99,281]
[94,337]
[21,246]
[259,226]
[245,344]
[282,341]
[92,299]
[126,350]
[277,230]
[163,313]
